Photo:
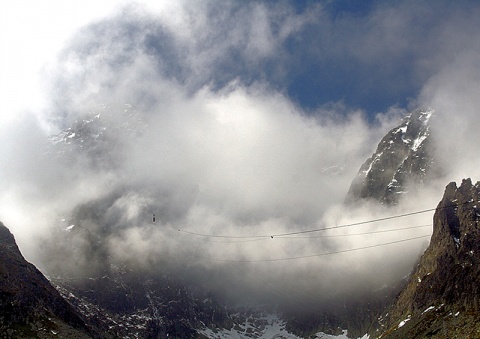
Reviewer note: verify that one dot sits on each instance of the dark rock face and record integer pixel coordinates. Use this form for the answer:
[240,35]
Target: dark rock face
[355,314]
[29,305]
[403,157]
[441,299]
[139,304]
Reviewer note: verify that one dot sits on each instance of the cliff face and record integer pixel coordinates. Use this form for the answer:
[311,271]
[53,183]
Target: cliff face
[29,305]
[402,158]
[441,299]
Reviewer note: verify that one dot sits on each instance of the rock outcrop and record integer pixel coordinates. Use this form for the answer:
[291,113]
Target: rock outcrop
[30,307]
[402,158]
[441,299]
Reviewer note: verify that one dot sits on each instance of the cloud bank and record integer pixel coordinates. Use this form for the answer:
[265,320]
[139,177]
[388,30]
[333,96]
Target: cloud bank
[194,114]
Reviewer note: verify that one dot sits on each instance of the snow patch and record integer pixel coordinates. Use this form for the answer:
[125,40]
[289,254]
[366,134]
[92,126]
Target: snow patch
[427,115]
[428,309]
[393,183]
[340,336]
[403,322]
[377,158]
[418,142]
[402,129]
[274,328]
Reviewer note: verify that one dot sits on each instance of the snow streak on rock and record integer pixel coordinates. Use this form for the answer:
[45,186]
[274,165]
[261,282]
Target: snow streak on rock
[403,157]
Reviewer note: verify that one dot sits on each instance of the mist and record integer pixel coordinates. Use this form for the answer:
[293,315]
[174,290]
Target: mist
[188,120]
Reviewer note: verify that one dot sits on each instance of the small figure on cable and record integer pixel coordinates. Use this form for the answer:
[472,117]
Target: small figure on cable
[153,219]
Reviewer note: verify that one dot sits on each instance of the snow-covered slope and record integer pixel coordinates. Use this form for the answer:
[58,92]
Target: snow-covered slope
[264,326]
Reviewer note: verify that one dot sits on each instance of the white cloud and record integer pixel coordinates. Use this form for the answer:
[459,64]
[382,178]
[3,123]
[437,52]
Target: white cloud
[240,160]
[454,93]
[212,150]
[32,33]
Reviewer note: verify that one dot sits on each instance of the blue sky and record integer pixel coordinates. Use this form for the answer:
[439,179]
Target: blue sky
[372,55]
[368,55]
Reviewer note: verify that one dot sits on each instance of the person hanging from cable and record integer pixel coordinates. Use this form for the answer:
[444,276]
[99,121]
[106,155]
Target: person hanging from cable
[153,219]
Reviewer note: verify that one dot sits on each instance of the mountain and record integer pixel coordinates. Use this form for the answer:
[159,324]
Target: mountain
[125,302]
[97,136]
[30,307]
[404,157]
[124,299]
[441,298]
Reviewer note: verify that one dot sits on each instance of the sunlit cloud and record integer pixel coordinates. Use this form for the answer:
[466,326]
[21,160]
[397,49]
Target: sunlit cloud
[197,122]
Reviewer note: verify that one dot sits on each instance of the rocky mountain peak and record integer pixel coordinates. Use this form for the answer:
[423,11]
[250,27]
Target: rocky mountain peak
[404,156]
[457,214]
[7,240]
[443,290]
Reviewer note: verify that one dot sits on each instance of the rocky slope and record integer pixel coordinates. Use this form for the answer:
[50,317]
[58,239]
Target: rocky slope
[30,307]
[441,299]
[404,157]
[133,303]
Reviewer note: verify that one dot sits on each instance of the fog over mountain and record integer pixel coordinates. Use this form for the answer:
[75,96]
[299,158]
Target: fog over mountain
[186,113]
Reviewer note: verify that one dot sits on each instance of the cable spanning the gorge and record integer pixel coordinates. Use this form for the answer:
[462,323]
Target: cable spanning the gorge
[300,237]
[289,234]
[312,255]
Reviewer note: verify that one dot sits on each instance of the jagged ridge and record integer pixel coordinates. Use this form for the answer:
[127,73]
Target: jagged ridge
[441,299]
[402,157]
